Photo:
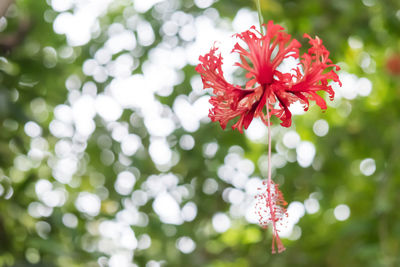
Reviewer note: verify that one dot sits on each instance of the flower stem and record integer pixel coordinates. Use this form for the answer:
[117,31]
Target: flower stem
[269,146]
[270,203]
[260,17]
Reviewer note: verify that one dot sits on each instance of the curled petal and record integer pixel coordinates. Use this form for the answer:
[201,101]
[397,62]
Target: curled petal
[317,71]
[229,101]
[260,51]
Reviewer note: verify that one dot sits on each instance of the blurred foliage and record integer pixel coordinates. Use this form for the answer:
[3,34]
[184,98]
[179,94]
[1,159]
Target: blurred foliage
[364,36]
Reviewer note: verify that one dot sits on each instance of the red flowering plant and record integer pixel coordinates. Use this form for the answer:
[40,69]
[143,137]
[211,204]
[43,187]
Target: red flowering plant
[268,92]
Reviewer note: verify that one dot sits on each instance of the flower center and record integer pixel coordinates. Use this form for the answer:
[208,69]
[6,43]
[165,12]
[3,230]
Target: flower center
[265,75]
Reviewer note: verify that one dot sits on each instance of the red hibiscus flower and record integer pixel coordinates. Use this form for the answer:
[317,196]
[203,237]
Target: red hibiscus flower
[261,59]
[268,92]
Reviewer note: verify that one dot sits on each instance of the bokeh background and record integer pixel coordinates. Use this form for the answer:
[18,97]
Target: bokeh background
[108,158]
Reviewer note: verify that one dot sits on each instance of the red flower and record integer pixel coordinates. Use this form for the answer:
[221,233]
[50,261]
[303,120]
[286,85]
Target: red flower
[268,92]
[264,54]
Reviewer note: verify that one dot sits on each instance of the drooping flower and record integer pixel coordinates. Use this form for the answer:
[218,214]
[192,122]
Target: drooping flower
[261,59]
[268,92]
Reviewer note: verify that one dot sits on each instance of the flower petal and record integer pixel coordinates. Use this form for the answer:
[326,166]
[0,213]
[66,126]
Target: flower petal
[261,48]
[229,101]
